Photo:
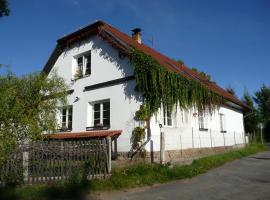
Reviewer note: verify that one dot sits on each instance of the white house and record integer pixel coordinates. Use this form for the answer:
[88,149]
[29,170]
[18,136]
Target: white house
[102,100]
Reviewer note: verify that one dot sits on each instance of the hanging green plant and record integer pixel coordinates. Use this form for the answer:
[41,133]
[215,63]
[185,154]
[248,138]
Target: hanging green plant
[160,86]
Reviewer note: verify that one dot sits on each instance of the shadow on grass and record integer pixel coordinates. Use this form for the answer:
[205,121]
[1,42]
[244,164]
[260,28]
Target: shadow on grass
[60,190]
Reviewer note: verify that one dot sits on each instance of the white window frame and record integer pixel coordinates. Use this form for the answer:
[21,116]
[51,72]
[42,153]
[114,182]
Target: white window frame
[64,123]
[203,122]
[222,121]
[166,117]
[85,59]
[101,119]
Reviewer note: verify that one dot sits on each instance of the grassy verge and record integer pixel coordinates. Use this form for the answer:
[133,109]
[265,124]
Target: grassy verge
[137,175]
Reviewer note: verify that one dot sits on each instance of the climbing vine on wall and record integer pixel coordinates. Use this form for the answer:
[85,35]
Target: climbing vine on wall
[160,86]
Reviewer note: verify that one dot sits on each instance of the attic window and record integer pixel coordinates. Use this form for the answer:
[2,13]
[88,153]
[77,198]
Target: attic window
[82,65]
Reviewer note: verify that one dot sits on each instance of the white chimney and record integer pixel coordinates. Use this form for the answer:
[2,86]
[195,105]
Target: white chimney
[136,35]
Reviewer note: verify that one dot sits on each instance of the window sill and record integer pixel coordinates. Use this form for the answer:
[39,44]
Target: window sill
[64,130]
[84,76]
[95,128]
[203,129]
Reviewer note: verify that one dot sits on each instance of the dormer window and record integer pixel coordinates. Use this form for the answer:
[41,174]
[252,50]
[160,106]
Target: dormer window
[83,65]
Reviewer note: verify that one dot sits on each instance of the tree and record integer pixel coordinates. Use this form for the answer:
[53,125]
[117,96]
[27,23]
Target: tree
[251,118]
[4,10]
[231,90]
[262,98]
[28,107]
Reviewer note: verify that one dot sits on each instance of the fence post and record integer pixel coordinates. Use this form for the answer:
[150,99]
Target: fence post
[162,148]
[192,139]
[211,138]
[152,151]
[224,139]
[181,145]
[109,142]
[234,138]
[25,161]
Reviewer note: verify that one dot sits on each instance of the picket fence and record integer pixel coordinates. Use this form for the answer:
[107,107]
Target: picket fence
[46,161]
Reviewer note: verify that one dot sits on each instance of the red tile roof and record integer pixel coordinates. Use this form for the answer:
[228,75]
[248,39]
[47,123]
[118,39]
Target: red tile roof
[124,42]
[86,134]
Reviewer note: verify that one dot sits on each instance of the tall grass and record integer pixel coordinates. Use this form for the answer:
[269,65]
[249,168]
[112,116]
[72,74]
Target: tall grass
[132,176]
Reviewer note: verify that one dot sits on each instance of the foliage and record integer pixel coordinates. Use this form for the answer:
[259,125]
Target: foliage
[4,10]
[262,98]
[28,105]
[251,120]
[143,113]
[162,87]
[78,74]
[137,136]
[207,76]
[132,176]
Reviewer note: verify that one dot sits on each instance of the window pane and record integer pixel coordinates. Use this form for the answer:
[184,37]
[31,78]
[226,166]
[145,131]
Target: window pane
[169,118]
[70,117]
[96,122]
[96,107]
[88,64]
[80,60]
[106,122]
[64,117]
[96,115]
[106,114]
[106,106]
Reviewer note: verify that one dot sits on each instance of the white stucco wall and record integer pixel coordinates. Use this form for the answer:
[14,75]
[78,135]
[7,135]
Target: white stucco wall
[124,102]
[184,132]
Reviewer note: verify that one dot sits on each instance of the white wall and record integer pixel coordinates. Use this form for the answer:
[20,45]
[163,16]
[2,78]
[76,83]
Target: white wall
[124,102]
[106,66]
[184,132]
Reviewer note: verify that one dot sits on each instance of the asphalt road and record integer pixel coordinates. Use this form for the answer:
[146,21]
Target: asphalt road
[244,179]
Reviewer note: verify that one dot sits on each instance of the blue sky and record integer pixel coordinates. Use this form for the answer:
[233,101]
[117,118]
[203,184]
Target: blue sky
[228,39]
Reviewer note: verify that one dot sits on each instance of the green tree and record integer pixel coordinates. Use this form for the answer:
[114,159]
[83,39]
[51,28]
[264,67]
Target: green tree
[251,118]
[262,98]
[4,10]
[28,107]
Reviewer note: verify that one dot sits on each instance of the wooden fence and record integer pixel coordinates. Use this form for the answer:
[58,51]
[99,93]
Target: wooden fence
[45,161]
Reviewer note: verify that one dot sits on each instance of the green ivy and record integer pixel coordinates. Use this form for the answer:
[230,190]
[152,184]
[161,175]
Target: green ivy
[160,86]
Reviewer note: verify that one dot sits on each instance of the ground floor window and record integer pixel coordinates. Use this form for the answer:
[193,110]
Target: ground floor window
[101,112]
[222,122]
[167,117]
[66,118]
[202,119]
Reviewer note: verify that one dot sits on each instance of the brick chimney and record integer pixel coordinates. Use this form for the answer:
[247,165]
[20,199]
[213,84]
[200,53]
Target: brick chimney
[136,35]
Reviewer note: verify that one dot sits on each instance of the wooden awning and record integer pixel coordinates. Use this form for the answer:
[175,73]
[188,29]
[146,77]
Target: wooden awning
[85,134]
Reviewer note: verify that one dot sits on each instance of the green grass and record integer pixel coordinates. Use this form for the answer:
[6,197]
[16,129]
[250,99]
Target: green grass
[132,176]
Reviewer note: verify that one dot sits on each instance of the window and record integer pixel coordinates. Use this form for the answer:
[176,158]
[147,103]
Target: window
[83,66]
[66,118]
[167,117]
[202,119]
[222,123]
[101,114]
